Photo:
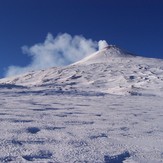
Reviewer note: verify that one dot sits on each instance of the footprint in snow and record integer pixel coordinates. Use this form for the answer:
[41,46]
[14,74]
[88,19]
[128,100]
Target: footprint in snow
[22,121]
[55,128]
[102,135]
[42,154]
[117,158]
[33,130]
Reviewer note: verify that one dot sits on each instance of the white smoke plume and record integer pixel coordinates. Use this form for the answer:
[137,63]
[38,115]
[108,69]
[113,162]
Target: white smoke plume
[102,44]
[61,50]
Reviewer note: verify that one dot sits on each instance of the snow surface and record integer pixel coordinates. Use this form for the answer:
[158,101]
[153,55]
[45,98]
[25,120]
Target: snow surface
[106,108]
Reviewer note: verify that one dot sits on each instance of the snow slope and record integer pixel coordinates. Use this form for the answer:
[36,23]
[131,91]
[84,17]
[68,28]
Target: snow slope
[110,70]
[106,108]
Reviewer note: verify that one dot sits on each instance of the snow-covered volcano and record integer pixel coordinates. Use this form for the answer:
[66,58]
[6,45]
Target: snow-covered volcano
[105,55]
[110,70]
[79,113]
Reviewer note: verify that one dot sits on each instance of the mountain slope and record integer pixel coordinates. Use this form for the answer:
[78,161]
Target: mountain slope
[79,113]
[110,70]
[105,55]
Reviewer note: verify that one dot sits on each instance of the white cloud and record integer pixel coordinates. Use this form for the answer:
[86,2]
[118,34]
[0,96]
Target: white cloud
[64,49]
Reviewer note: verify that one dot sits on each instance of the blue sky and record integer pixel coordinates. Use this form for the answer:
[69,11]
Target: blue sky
[136,26]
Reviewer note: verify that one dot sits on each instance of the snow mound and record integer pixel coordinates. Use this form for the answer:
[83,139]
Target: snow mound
[105,55]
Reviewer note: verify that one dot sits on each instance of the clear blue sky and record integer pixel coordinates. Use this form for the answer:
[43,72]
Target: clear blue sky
[136,26]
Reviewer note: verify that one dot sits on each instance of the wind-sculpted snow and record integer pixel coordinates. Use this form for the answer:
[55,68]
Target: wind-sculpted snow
[107,108]
[68,128]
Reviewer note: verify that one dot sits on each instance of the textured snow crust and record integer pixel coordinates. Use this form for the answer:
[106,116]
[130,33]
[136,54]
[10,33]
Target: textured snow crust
[77,128]
[106,108]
